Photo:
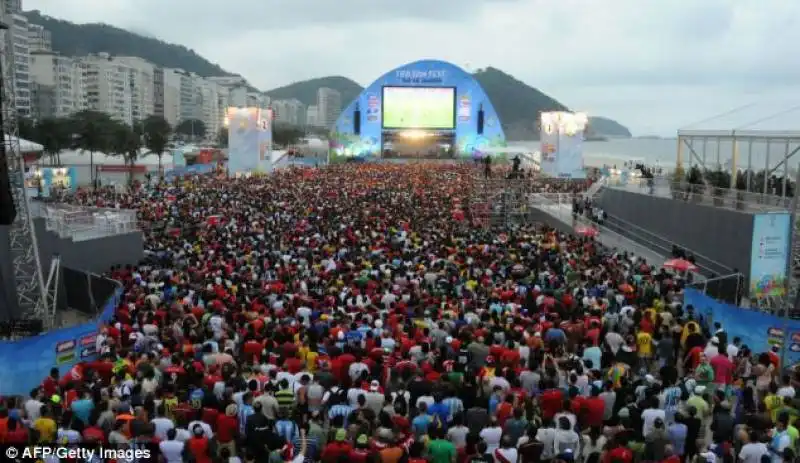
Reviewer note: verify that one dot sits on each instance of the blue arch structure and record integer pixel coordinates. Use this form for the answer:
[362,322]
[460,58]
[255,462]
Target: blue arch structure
[470,99]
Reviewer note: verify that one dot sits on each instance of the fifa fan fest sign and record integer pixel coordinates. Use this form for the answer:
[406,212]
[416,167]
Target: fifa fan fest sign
[561,135]
[249,139]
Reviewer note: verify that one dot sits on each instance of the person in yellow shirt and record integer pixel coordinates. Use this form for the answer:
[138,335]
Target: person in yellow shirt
[644,347]
[46,426]
[773,402]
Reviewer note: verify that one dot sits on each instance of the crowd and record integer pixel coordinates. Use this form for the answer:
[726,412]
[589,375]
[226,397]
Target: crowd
[355,314]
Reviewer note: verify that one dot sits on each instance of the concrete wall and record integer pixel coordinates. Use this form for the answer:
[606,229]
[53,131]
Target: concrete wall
[724,235]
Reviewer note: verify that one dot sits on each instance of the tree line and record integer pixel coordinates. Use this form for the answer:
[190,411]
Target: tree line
[96,132]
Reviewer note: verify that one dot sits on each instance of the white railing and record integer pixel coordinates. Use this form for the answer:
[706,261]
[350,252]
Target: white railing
[85,223]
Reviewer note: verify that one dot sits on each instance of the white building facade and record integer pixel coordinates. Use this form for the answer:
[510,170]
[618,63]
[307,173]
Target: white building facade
[329,106]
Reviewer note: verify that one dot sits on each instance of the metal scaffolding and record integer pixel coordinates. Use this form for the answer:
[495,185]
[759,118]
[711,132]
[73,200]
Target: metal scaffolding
[733,151]
[30,287]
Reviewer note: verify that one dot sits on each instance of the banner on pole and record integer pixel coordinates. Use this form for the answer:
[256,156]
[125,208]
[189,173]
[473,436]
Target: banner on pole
[769,254]
[561,135]
[243,139]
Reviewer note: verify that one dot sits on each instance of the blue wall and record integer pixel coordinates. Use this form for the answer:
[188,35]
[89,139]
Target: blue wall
[426,73]
[25,363]
[758,330]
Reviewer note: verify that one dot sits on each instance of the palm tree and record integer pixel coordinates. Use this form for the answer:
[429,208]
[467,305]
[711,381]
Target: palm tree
[54,136]
[127,142]
[92,131]
[156,131]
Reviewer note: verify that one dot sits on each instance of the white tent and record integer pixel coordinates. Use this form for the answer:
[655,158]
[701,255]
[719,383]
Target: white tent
[25,146]
[83,158]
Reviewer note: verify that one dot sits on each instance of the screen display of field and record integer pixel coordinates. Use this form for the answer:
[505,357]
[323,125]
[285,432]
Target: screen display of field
[418,108]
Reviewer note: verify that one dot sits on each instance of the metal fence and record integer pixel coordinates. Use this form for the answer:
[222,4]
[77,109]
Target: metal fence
[729,288]
[84,223]
[747,201]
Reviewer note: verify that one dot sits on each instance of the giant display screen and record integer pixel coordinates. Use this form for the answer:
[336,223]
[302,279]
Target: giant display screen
[419,107]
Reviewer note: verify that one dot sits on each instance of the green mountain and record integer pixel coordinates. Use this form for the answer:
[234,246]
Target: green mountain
[518,105]
[72,39]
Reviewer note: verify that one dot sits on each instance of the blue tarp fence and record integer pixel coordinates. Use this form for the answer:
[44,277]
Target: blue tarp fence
[758,330]
[26,362]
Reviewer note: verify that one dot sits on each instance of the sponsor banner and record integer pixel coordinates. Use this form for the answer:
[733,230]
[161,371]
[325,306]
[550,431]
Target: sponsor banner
[769,254]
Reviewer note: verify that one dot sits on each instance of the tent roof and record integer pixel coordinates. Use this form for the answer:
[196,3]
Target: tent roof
[25,146]
[81,157]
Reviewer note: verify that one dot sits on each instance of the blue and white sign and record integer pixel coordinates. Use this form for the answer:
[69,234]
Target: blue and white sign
[769,254]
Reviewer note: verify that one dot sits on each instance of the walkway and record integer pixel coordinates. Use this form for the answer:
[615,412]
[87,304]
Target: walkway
[563,213]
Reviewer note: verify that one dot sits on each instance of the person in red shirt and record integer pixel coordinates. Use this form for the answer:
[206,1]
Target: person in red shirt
[199,446]
[619,452]
[17,432]
[336,449]
[692,359]
[593,408]
[228,428]
[361,453]
[50,384]
[551,401]
[723,370]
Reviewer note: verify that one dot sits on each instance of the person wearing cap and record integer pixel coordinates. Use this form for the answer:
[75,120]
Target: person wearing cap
[199,447]
[360,453]
[337,448]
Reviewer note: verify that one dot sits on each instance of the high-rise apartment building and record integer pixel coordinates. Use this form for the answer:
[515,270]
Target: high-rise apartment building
[56,86]
[108,86]
[329,106]
[289,111]
[21,65]
[140,75]
[39,38]
[12,6]
[172,79]
[312,116]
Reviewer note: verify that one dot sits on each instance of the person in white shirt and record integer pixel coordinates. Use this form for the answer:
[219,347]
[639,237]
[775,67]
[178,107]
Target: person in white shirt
[753,450]
[546,436]
[786,390]
[506,451]
[491,435]
[650,415]
[161,423]
[733,349]
[565,439]
[712,348]
[207,431]
[172,449]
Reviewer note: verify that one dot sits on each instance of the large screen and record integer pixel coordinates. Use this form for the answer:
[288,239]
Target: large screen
[419,107]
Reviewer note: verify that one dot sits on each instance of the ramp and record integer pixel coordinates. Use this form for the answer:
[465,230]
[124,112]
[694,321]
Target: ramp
[558,207]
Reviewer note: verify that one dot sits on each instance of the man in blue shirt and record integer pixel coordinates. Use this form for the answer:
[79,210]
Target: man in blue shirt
[421,422]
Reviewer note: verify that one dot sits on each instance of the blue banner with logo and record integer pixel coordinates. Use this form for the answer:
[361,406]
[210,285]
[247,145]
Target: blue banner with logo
[758,330]
[28,361]
[769,254]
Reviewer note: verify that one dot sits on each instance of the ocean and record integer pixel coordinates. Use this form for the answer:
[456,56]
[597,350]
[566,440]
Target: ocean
[663,152]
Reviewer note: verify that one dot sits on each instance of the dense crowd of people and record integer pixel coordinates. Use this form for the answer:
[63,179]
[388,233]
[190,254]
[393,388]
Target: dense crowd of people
[355,313]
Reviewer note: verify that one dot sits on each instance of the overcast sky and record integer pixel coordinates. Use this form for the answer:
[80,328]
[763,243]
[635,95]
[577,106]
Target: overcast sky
[653,65]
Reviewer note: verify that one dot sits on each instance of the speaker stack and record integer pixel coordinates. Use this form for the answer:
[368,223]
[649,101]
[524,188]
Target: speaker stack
[480,120]
[357,121]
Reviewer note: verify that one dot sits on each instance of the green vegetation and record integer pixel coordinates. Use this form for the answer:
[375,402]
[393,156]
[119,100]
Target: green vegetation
[95,132]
